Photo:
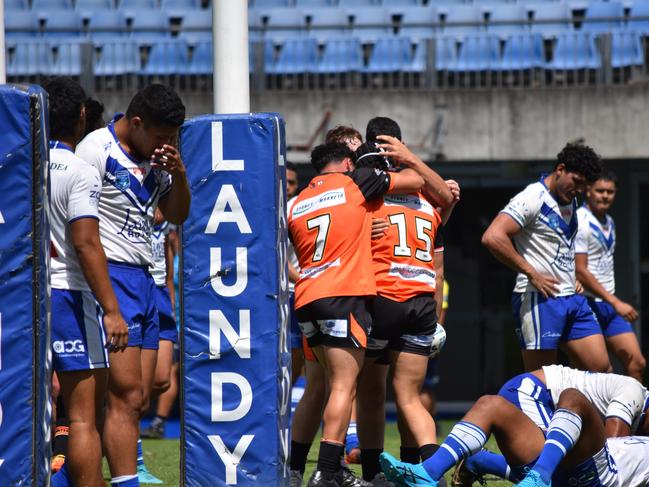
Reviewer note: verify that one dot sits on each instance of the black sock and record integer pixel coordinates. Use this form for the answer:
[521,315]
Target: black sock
[329,457]
[370,462]
[427,451]
[61,434]
[299,454]
[409,454]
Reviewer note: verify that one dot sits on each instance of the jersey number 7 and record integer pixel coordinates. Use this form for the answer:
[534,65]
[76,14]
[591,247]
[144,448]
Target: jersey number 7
[322,223]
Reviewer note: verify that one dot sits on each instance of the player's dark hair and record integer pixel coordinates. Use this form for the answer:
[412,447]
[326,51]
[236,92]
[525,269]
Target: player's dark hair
[369,156]
[291,166]
[608,175]
[157,105]
[580,159]
[326,153]
[382,126]
[341,134]
[94,115]
[66,98]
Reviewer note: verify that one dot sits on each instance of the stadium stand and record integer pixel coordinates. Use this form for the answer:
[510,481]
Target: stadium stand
[371,23]
[106,25]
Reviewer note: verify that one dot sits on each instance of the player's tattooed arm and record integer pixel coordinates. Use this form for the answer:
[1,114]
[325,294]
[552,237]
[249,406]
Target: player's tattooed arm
[175,204]
[498,239]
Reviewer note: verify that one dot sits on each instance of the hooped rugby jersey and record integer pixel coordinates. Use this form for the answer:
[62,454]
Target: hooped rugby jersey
[547,236]
[130,194]
[330,226]
[404,257]
[75,188]
[597,239]
[158,237]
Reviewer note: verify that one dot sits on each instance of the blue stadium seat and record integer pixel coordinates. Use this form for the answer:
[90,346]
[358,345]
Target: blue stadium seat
[284,23]
[356,3]
[418,63]
[341,56]
[181,5]
[107,24]
[575,50]
[254,25]
[16,5]
[141,5]
[445,53]
[29,59]
[603,10]
[551,19]
[371,23]
[167,58]
[313,3]
[327,23]
[505,20]
[67,60]
[626,49]
[150,26]
[202,62]
[639,9]
[38,5]
[523,52]
[117,57]
[417,22]
[270,3]
[62,24]
[390,54]
[470,19]
[86,7]
[296,57]
[196,26]
[478,53]
[21,24]
[398,3]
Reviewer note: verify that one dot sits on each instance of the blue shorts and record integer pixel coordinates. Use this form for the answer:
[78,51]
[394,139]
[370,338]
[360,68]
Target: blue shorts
[541,323]
[529,394]
[135,291]
[168,329]
[296,332]
[78,338]
[612,323]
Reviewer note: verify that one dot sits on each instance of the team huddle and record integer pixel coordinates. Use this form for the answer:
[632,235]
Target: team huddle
[366,233]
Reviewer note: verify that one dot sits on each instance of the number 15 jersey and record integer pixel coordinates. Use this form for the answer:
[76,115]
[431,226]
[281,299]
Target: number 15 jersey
[330,226]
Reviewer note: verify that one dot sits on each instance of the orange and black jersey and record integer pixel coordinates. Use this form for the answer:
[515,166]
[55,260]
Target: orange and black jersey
[330,226]
[404,257]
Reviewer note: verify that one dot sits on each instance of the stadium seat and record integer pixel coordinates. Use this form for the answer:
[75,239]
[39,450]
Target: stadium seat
[67,60]
[638,10]
[356,3]
[445,53]
[596,11]
[196,26]
[419,61]
[21,24]
[29,59]
[523,52]
[40,5]
[397,3]
[86,7]
[150,26]
[505,20]
[141,5]
[575,50]
[626,49]
[284,23]
[371,23]
[419,22]
[390,54]
[181,5]
[341,56]
[327,23]
[63,24]
[551,19]
[16,5]
[296,57]
[463,20]
[478,53]
[117,57]
[313,3]
[107,24]
[202,62]
[167,58]
[270,3]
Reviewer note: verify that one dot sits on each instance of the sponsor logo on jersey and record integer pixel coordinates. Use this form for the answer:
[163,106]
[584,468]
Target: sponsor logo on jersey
[122,179]
[328,199]
[413,273]
[68,347]
[411,201]
[316,271]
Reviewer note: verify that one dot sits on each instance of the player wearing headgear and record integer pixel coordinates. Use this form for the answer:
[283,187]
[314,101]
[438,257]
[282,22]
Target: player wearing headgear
[80,336]
[542,222]
[329,224]
[594,251]
[141,170]
[574,451]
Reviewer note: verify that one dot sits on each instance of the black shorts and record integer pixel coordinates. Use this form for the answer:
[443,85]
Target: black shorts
[342,321]
[406,326]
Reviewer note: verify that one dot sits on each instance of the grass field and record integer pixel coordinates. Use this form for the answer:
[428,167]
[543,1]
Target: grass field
[161,456]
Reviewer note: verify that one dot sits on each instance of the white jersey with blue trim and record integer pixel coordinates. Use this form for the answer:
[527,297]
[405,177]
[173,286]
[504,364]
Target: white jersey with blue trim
[631,456]
[613,395]
[130,194]
[547,235]
[75,188]
[597,239]
[158,237]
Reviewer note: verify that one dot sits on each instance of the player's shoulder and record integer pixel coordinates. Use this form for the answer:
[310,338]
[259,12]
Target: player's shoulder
[96,142]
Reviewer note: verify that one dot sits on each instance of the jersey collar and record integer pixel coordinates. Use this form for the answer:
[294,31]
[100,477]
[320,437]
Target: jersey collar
[57,144]
[542,181]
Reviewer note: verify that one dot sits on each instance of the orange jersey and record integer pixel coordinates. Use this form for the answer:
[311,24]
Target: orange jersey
[404,257]
[330,226]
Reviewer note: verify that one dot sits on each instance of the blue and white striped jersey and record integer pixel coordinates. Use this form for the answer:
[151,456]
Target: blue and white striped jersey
[597,239]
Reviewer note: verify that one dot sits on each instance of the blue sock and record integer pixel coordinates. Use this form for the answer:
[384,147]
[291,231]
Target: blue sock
[140,454]
[488,462]
[61,478]
[125,481]
[351,441]
[464,439]
[563,432]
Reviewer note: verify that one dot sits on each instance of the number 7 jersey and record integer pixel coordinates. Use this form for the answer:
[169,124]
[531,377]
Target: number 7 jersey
[330,226]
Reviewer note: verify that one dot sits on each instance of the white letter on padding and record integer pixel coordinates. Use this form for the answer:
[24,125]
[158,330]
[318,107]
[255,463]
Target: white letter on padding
[216,273]
[230,459]
[227,197]
[239,341]
[218,414]
[218,163]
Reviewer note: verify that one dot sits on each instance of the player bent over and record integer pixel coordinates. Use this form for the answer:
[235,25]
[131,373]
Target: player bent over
[542,222]
[82,327]
[329,224]
[140,169]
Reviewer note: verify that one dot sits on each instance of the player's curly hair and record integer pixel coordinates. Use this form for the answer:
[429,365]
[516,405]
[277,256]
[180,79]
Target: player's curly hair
[342,133]
[157,105]
[326,153]
[608,175]
[66,98]
[581,159]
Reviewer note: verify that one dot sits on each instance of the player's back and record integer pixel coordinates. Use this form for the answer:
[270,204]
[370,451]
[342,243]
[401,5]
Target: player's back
[330,225]
[631,455]
[403,257]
